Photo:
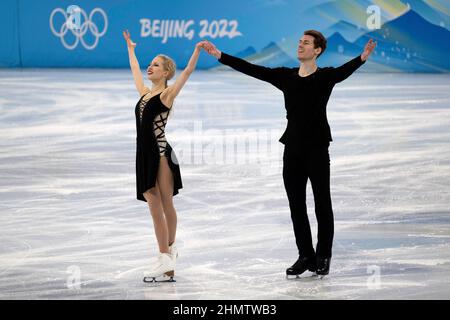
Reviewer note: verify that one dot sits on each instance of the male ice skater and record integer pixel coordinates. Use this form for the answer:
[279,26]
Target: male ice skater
[307,137]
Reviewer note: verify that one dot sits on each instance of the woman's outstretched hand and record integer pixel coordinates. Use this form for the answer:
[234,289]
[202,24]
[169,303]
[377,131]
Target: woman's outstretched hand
[130,44]
[211,49]
[200,45]
[370,45]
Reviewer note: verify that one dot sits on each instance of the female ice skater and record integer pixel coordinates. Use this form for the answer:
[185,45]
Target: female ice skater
[307,137]
[158,175]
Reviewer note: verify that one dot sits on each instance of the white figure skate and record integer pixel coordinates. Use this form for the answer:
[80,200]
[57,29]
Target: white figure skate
[163,271]
[173,250]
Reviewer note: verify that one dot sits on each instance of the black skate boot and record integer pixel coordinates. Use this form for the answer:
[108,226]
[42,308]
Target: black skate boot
[301,265]
[323,266]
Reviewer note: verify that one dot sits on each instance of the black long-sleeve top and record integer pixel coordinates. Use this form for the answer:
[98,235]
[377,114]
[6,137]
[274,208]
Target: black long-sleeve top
[305,98]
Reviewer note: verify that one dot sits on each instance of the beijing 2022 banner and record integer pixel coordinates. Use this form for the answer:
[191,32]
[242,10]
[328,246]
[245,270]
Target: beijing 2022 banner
[411,35]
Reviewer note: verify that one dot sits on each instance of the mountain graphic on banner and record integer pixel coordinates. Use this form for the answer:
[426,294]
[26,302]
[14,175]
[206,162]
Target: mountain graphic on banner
[408,43]
[419,48]
[349,31]
[246,52]
[435,15]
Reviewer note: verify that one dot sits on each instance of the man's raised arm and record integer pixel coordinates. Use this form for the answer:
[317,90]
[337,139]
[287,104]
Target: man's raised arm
[343,72]
[271,75]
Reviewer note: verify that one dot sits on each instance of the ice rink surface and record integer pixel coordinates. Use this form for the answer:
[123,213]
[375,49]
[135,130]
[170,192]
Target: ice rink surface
[71,227]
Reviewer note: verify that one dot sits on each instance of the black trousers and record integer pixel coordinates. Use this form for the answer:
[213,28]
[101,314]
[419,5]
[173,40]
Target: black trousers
[299,164]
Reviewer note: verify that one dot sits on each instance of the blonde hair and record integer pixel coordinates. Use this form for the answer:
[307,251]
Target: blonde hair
[169,65]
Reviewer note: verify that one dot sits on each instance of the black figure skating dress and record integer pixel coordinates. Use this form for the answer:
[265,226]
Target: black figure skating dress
[151,118]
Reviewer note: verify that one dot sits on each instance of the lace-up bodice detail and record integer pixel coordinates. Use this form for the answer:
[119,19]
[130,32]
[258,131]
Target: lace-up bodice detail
[159,123]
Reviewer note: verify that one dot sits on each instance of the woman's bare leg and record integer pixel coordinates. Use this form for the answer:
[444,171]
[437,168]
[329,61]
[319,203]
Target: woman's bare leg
[153,197]
[165,181]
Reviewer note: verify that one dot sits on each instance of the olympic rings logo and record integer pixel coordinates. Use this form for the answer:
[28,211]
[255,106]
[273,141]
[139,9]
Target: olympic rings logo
[78,30]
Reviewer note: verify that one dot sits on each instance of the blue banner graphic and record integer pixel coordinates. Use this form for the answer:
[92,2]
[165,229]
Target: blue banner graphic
[412,35]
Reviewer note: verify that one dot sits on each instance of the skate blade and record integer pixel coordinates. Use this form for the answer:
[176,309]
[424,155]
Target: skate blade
[164,278]
[299,276]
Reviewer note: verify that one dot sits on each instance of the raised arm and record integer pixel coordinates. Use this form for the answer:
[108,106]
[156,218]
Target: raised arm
[174,89]
[134,64]
[272,75]
[343,72]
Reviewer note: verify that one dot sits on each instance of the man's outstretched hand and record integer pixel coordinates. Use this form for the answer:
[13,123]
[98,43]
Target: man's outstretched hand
[370,45]
[211,49]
